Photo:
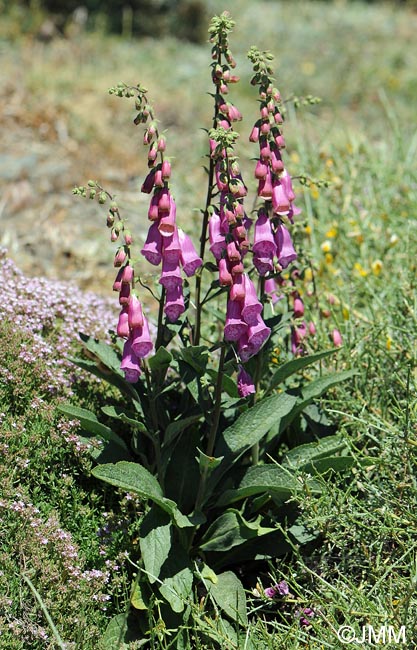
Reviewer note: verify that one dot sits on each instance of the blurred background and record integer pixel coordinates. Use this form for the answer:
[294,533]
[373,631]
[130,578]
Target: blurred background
[59,126]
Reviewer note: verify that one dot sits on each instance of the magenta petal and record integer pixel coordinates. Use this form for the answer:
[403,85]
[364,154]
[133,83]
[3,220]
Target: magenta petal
[245,385]
[171,275]
[252,308]
[264,243]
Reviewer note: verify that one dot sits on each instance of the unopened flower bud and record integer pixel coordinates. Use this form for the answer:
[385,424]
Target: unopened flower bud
[110,220]
[120,257]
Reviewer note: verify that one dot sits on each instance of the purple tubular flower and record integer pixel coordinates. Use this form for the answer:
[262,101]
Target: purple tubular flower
[135,314]
[285,180]
[171,274]
[152,250]
[235,327]
[141,340]
[271,288]
[298,308]
[280,201]
[190,260]
[225,277]
[264,243]
[171,247]
[280,589]
[263,265]
[130,363]
[252,308]
[237,292]
[174,304]
[245,385]
[305,615]
[123,324]
[257,335]
[217,240]
[285,249]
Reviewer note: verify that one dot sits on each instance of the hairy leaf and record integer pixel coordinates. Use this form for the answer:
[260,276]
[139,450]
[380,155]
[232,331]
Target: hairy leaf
[229,595]
[229,530]
[294,365]
[155,541]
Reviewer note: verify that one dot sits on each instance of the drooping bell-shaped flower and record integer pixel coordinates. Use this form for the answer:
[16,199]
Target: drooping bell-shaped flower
[122,329]
[174,303]
[130,363]
[263,265]
[285,249]
[280,201]
[264,243]
[235,327]
[252,308]
[171,247]
[216,237]
[135,313]
[237,291]
[190,260]
[167,221]
[225,277]
[245,385]
[257,335]
[141,340]
[152,249]
[298,308]
[171,274]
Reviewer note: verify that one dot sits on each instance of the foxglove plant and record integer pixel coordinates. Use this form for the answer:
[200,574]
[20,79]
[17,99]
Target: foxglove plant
[207,419]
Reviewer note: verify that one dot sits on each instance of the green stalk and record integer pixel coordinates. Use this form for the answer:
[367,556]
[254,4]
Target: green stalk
[155,424]
[158,342]
[47,615]
[214,426]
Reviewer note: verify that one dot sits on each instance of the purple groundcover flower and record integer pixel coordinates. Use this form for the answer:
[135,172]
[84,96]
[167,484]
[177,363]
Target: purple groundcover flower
[279,589]
[305,615]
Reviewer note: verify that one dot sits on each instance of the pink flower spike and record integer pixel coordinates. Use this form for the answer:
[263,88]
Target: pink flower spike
[245,385]
[257,335]
[225,277]
[252,308]
[190,259]
[285,249]
[171,247]
[141,340]
[152,250]
[135,313]
[171,275]
[174,305]
[280,201]
[237,292]
[337,338]
[123,324]
[264,243]
[130,363]
[234,327]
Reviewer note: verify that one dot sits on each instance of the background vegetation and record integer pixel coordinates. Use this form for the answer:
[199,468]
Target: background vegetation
[360,235]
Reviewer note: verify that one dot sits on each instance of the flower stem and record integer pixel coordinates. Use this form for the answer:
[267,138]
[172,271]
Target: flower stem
[214,426]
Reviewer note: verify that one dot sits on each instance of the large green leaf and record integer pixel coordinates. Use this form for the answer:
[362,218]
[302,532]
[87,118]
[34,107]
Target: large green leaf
[176,427]
[177,579]
[119,413]
[120,632]
[253,424]
[303,454]
[271,478]
[159,363]
[132,477]
[155,541]
[182,473]
[229,530]
[294,365]
[229,595]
